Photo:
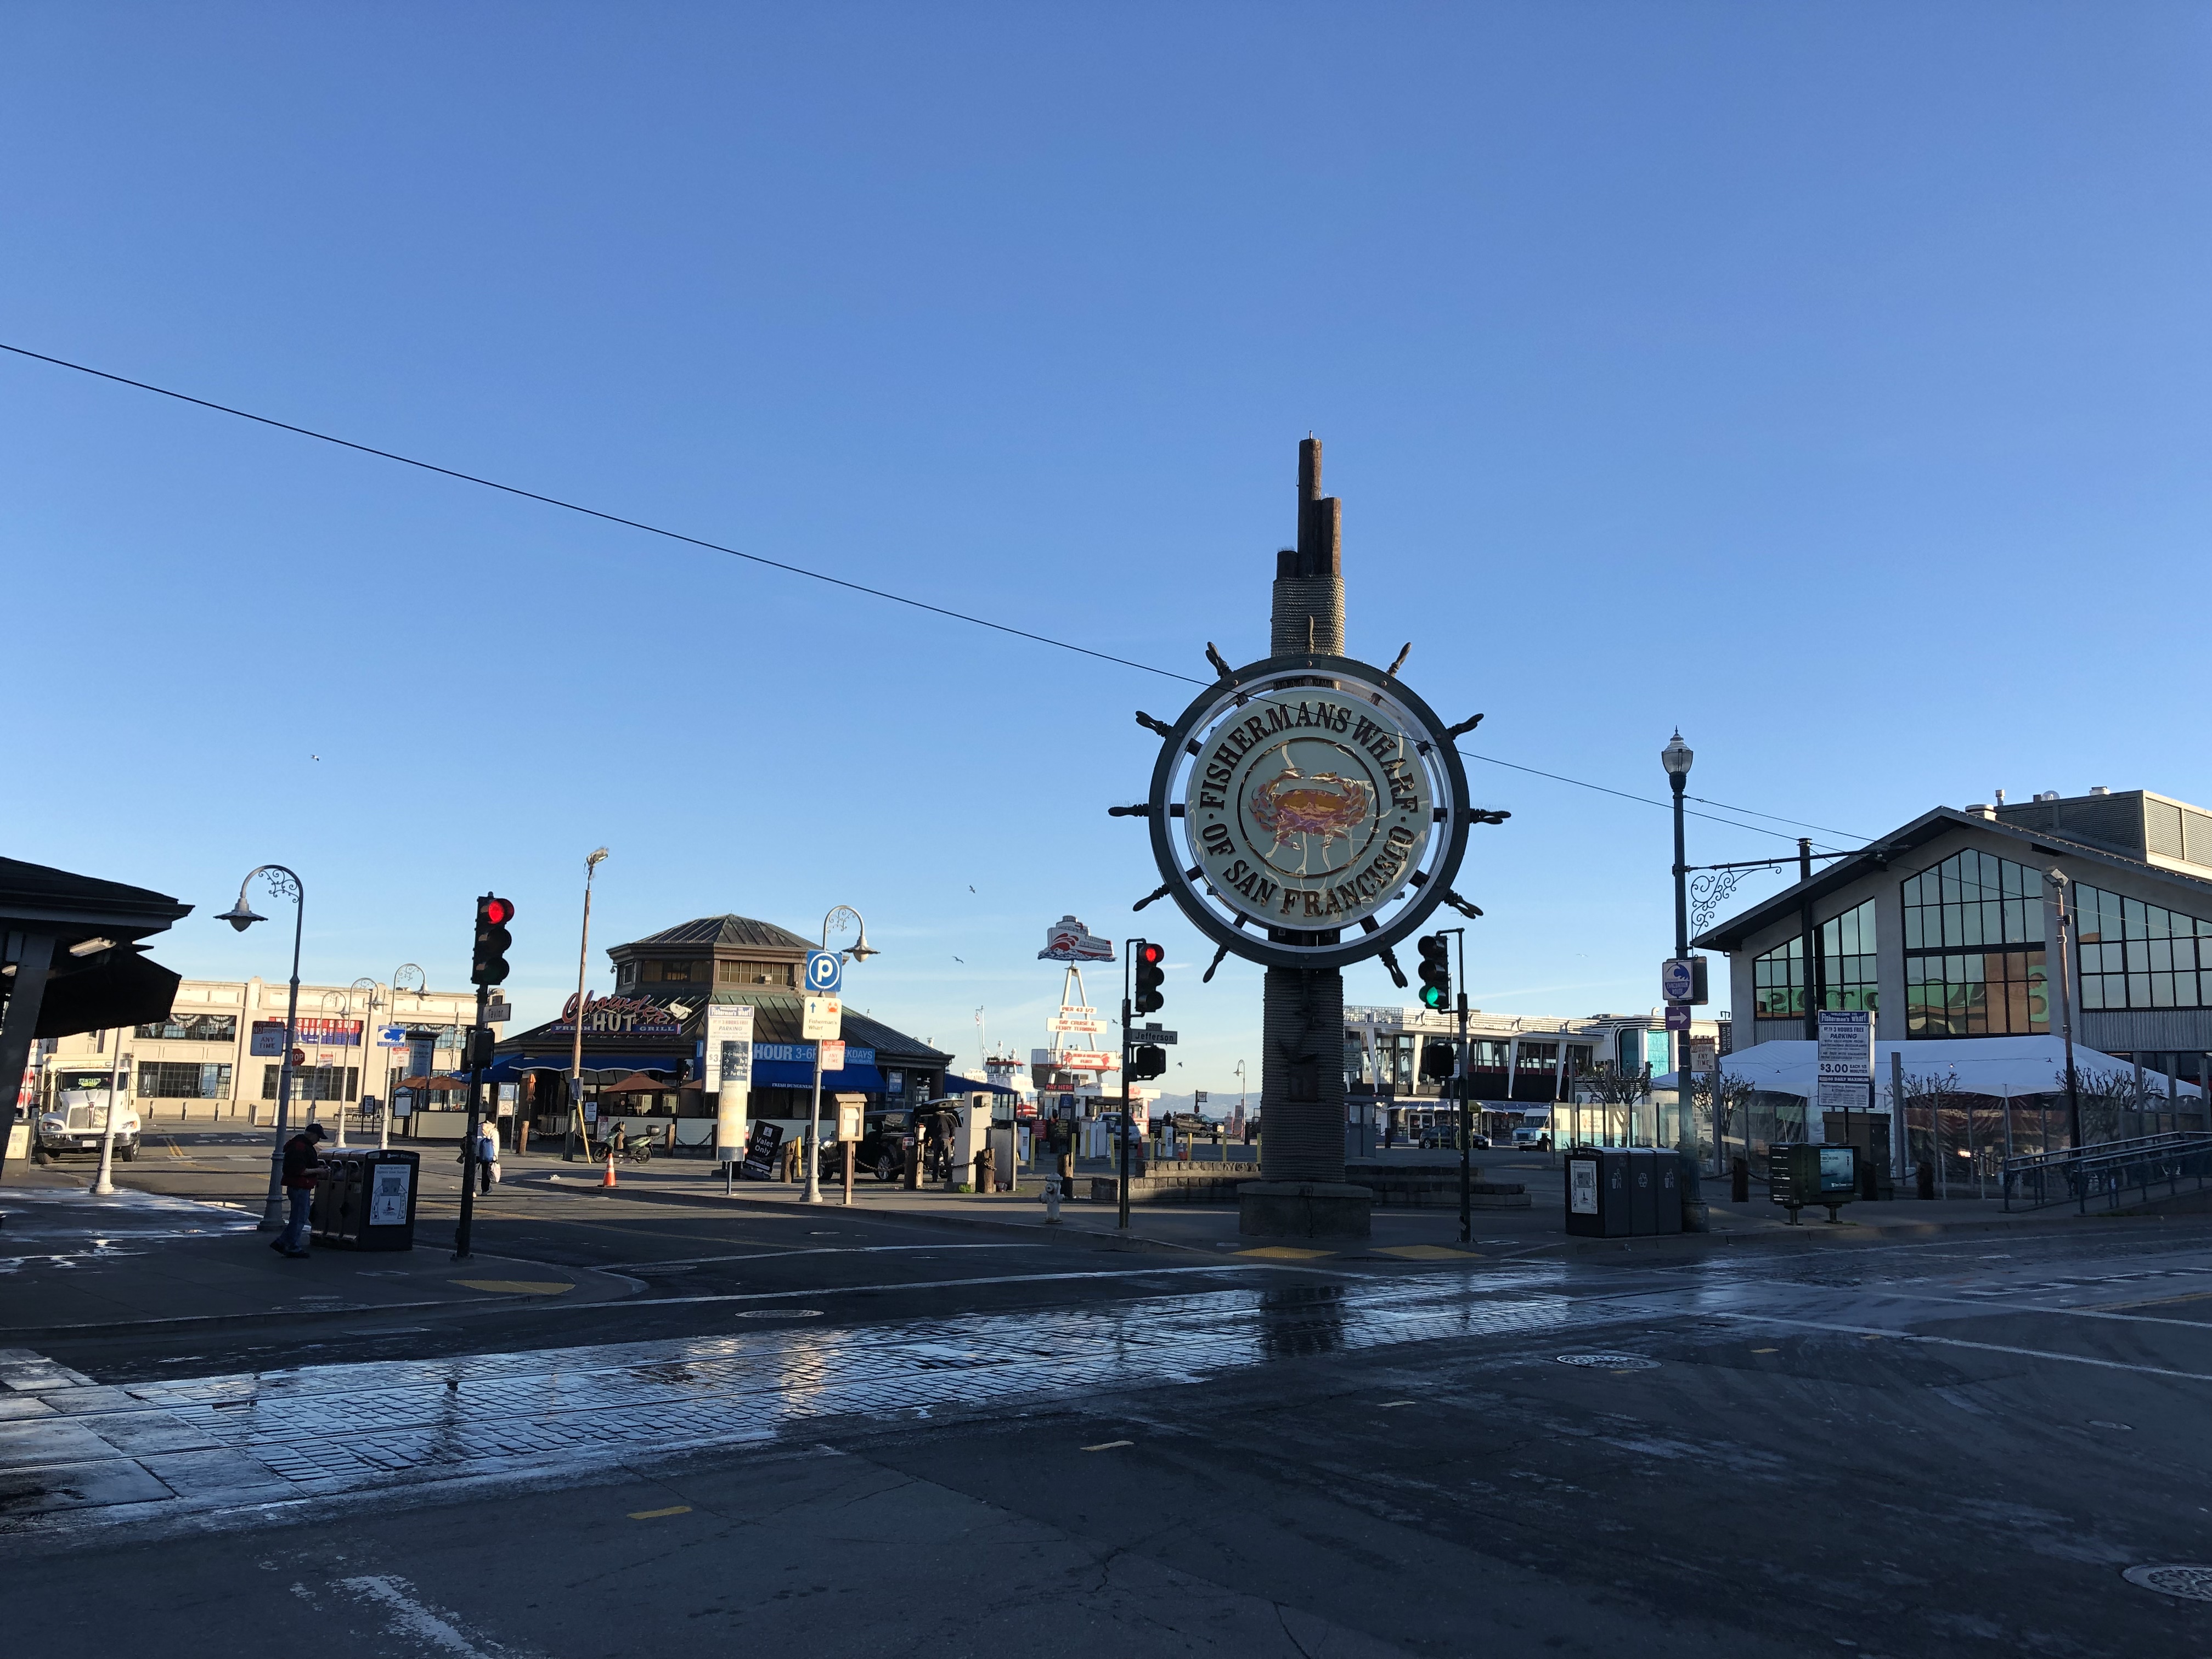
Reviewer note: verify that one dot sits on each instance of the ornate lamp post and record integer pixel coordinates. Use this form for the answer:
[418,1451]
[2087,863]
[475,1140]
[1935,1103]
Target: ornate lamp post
[422,984]
[284,884]
[860,952]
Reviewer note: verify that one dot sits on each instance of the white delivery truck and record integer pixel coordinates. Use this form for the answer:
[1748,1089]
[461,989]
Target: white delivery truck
[78,1117]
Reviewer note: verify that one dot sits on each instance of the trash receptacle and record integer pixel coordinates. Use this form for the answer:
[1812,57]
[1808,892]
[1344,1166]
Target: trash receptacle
[1598,1202]
[1666,1190]
[1643,1192]
[366,1200]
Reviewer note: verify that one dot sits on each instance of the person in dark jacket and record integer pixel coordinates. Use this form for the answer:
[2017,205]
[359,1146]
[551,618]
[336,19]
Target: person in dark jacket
[302,1169]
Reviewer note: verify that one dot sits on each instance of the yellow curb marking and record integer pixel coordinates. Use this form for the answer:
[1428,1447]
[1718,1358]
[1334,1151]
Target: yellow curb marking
[1428,1253]
[1109,1445]
[1284,1253]
[516,1286]
[655,1514]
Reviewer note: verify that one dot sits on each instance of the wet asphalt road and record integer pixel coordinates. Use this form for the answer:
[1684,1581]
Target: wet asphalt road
[1945,1448]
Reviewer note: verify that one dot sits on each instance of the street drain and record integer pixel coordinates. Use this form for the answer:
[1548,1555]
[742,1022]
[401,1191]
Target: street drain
[779,1313]
[1611,1362]
[2190,1584]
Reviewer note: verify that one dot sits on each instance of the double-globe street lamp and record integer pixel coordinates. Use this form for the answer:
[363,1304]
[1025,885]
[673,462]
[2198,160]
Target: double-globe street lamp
[1676,757]
[422,984]
[860,951]
[284,884]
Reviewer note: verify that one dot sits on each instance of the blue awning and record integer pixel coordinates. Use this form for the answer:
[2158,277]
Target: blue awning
[625,1064]
[797,1074]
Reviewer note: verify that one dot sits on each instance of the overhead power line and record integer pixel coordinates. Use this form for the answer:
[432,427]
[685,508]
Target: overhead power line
[801,570]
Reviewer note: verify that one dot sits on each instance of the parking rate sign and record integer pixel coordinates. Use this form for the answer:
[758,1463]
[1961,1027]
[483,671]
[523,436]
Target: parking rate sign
[1845,1062]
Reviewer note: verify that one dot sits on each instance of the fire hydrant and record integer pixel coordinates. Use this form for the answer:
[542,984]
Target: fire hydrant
[1052,1200]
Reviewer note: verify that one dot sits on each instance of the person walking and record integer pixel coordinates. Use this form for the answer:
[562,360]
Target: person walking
[302,1169]
[487,1158]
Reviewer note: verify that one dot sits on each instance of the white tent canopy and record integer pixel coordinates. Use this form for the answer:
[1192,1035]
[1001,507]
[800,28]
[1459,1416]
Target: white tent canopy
[2001,1067]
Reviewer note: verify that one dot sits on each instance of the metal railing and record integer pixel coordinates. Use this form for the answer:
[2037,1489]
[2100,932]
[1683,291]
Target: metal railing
[2101,1173]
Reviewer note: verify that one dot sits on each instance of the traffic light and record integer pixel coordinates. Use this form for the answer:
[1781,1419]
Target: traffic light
[1149,1060]
[1436,970]
[488,965]
[1150,975]
[1438,1062]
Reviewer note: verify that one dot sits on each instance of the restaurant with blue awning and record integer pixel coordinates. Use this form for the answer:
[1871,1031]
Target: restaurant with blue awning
[655,1022]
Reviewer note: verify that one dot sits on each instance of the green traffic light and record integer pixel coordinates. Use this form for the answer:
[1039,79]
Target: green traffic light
[1432,996]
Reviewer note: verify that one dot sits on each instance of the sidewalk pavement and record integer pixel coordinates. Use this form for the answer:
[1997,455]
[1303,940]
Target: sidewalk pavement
[1403,1234]
[69,1260]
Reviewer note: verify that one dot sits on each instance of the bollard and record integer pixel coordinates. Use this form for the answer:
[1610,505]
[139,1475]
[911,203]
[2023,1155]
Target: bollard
[1924,1173]
[985,1182]
[1739,1181]
[1052,1200]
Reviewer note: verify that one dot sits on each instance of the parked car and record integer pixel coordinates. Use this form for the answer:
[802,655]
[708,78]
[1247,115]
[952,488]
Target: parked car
[886,1143]
[1447,1139]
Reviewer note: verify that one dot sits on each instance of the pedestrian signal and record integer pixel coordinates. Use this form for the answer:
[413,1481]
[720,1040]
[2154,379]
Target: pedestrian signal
[1438,1062]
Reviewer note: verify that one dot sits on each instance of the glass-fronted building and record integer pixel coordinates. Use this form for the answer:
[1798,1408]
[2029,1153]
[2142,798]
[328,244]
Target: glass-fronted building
[1947,928]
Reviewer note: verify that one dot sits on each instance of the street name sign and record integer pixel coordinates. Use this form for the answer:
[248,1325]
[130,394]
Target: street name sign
[1151,1034]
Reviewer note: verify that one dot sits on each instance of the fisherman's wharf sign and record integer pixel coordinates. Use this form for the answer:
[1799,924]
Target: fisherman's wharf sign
[1306,808]
[1308,811]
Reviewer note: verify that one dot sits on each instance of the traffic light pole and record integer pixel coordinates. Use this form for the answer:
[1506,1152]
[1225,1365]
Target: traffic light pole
[475,1117]
[1466,1122]
[1121,1185]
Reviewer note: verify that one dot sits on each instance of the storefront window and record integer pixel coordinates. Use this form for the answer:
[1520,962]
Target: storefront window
[192,1028]
[313,1082]
[182,1079]
[757,973]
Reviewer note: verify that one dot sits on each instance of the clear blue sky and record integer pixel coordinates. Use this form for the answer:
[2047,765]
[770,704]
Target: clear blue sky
[1831,379]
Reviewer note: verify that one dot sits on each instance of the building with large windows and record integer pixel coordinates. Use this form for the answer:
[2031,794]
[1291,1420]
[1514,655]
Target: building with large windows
[1947,927]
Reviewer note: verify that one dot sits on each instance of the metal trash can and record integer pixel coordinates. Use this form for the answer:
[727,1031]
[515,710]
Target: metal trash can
[1643,1192]
[1598,1202]
[366,1200]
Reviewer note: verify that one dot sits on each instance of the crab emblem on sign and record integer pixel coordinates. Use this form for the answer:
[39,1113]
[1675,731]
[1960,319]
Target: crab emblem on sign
[1325,805]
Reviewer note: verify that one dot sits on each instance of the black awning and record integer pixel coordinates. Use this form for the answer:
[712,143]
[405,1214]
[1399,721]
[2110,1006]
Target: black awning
[126,989]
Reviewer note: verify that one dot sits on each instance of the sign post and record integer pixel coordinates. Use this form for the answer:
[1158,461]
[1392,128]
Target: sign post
[824,1016]
[730,1071]
[1845,1063]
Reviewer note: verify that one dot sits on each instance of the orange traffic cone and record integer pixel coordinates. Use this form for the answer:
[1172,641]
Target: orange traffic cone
[608,1179]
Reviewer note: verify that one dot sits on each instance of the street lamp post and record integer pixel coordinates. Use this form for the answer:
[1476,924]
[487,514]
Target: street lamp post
[860,952]
[2059,883]
[422,984]
[1676,757]
[367,1019]
[284,884]
[576,1048]
[119,1078]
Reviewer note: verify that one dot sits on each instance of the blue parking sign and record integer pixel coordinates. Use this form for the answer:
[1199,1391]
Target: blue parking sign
[824,969]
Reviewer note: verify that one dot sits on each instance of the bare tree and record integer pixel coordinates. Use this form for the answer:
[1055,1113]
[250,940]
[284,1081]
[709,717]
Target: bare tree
[1734,1095]
[2107,1099]
[1609,1087]
[1931,1094]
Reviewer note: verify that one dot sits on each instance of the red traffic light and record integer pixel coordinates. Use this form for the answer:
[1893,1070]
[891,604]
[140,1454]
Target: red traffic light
[1152,955]
[496,911]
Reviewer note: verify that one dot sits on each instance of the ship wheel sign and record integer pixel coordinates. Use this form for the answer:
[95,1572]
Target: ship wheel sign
[1308,812]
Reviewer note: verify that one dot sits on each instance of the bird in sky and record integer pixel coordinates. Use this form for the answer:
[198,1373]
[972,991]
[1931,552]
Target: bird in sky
[971,887]
[958,959]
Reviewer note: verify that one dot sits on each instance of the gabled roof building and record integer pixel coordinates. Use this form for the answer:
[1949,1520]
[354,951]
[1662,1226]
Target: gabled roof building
[1947,927]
